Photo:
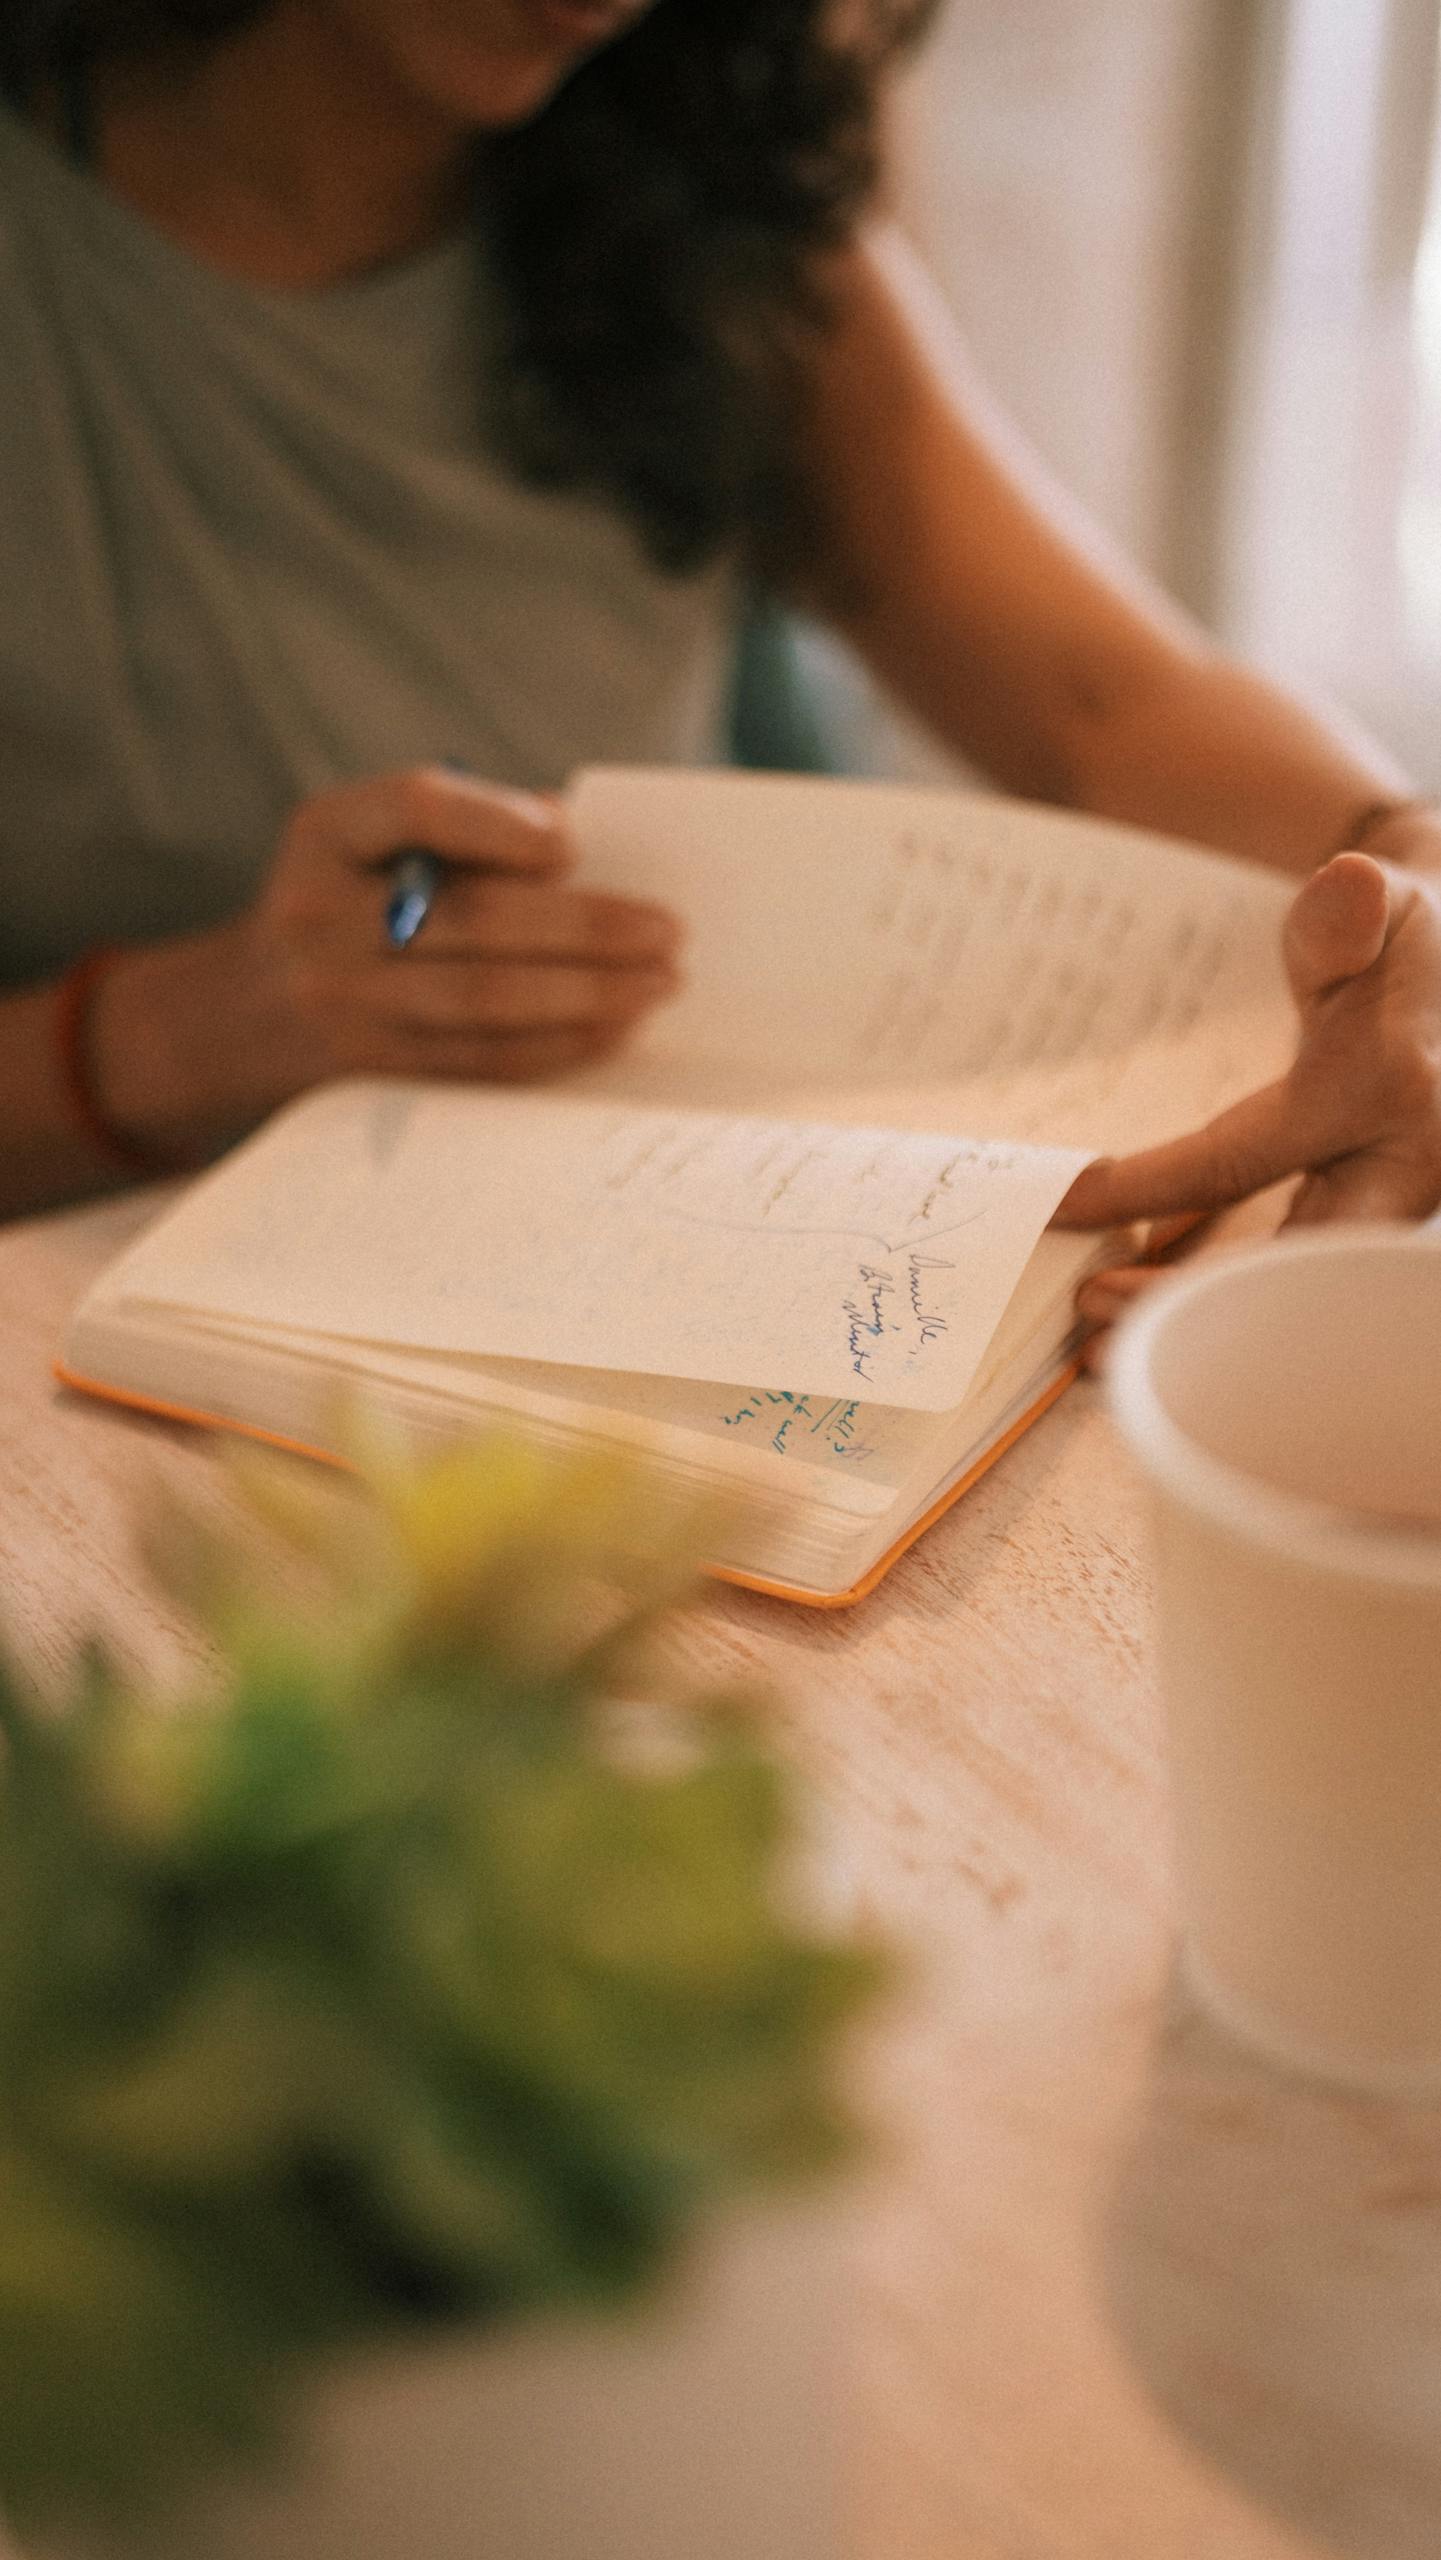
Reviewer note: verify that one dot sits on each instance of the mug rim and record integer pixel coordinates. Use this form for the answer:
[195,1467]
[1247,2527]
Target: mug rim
[1308,1531]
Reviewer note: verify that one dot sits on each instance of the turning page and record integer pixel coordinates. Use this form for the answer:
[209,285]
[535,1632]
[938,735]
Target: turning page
[935,958]
[839,1262]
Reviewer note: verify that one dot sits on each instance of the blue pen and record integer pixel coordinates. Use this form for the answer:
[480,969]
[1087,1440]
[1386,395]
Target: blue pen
[414,881]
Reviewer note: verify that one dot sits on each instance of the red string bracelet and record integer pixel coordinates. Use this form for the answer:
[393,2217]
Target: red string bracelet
[74,1002]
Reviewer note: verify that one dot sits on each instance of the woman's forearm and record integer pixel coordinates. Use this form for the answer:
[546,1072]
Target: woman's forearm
[45,1156]
[184,1049]
[1000,618]
[1192,744]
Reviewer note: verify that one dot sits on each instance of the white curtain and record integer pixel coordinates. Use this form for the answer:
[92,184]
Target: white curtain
[1328,526]
[1055,167]
[1183,242]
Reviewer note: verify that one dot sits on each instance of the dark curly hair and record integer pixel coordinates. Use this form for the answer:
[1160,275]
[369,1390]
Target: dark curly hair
[657,231]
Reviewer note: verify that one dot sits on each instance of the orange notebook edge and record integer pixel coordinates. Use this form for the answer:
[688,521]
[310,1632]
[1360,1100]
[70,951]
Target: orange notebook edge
[798,1596]
[876,1573]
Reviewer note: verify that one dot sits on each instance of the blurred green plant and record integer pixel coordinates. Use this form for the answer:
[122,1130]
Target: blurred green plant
[418,1979]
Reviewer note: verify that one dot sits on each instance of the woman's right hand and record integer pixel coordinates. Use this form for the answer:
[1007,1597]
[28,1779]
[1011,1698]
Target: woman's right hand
[515,974]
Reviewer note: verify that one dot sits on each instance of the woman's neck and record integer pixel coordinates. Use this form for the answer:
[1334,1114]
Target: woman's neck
[290,155]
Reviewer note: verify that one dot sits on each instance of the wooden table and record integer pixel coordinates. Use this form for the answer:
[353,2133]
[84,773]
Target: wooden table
[1129,2296]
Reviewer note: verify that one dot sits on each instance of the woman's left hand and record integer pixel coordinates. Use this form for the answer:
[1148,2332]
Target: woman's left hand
[1358,1113]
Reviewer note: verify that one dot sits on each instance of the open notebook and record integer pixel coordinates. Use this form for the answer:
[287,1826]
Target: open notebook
[797,1237]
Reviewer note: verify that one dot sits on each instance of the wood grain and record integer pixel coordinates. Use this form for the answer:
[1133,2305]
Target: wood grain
[1126,2294]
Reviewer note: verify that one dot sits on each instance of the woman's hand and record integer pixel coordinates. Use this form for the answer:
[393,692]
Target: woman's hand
[515,974]
[1357,1115]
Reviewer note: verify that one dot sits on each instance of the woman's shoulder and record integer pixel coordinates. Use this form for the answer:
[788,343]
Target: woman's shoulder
[23,154]
[43,215]
[37,230]
[33,157]
[15,186]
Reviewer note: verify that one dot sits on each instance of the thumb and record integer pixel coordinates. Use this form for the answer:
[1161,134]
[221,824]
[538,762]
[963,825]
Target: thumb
[1338,924]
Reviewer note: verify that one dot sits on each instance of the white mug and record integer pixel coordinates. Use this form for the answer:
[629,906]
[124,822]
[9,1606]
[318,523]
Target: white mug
[1284,1405]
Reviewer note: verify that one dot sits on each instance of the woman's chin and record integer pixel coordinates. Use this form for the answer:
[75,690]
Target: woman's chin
[486,64]
[515,96]
[506,92]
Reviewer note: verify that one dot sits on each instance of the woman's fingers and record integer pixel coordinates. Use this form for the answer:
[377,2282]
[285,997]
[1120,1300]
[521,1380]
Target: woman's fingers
[1374,1184]
[1359,1113]
[501,896]
[516,973]
[477,825]
[516,1057]
[467,1057]
[1337,925]
[499,996]
[535,920]
[1102,1300]
[1255,1143]
[1107,1294]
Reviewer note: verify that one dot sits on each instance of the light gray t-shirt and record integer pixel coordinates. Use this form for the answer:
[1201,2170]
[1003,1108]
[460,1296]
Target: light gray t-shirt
[252,543]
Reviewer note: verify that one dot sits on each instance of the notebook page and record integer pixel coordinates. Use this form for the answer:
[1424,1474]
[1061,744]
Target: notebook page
[852,1454]
[847,1262]
[939,959]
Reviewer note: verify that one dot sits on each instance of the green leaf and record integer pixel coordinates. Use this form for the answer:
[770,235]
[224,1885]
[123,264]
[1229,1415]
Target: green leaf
[125,2372]
[385,1986]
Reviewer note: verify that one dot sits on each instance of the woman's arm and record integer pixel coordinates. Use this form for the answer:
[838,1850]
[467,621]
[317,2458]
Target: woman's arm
[986,603]
[181,1049]
[188,1043]
[992,612]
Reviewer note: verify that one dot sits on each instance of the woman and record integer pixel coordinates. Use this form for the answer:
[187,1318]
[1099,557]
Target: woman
[396,381]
